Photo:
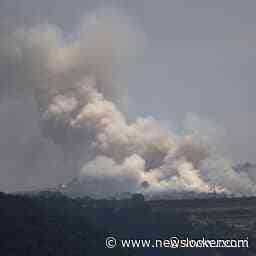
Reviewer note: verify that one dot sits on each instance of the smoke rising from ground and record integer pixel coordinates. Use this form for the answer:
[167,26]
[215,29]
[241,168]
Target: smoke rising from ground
[72,101]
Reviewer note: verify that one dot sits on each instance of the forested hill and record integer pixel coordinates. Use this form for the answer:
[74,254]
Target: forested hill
[50,224]
[47,225]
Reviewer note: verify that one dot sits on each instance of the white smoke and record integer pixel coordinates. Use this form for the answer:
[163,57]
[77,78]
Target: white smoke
[74,84]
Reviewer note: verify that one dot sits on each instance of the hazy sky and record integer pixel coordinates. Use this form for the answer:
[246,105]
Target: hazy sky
[199,58]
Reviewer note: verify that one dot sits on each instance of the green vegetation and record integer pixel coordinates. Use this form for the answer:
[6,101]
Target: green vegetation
[51,224]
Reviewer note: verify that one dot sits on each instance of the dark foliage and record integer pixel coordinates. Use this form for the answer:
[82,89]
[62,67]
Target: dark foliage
[51,224]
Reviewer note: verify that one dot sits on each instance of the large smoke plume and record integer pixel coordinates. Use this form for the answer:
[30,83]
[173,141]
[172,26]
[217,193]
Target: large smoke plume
[72,98]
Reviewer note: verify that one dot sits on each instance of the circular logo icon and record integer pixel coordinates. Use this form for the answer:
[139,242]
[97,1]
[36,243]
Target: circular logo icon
[110,242]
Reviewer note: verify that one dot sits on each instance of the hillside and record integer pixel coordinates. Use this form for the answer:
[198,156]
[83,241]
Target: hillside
[49,223]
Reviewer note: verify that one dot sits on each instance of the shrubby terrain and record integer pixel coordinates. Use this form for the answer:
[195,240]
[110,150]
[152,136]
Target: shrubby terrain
[49,223]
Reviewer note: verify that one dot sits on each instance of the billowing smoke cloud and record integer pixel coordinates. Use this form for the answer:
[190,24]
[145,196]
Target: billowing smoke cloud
[72,84]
